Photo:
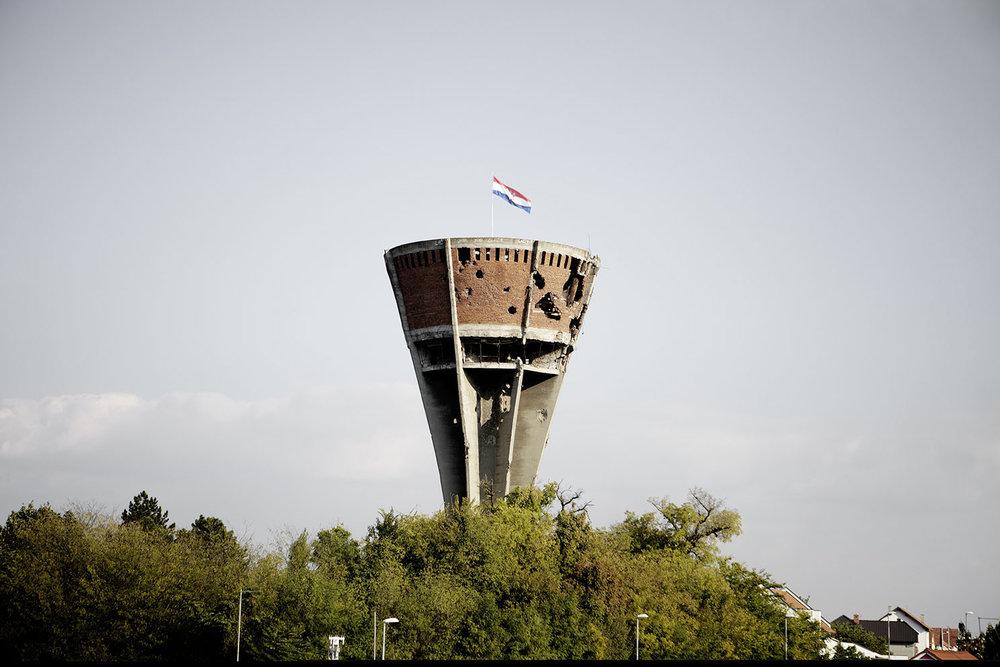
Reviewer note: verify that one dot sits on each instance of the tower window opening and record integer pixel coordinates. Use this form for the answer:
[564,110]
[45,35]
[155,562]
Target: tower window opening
[464,255]
[477,254]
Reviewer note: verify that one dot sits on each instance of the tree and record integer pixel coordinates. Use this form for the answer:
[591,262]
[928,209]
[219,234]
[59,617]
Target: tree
[145,512]
[856,634]
[336,553]
[44,579]
[841,652]
[991,643]
[210,529]
[696,527]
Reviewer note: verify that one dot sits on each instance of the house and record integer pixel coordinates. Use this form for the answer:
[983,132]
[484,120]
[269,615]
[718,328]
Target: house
[796,606]
[901,637]
[918,625]
[934,654]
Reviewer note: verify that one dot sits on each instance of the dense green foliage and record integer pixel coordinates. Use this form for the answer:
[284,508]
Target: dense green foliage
[991,643]
[525,577]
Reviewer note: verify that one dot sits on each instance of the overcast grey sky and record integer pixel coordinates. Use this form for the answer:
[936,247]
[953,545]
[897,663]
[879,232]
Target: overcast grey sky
[797,206]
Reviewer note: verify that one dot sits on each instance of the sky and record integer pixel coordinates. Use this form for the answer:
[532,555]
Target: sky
[796,205]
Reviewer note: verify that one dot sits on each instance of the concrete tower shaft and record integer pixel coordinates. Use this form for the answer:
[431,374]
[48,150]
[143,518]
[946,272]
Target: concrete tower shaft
[490,324]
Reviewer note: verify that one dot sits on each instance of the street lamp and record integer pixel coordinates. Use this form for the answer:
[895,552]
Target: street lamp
[385,628]
[967,615]
[888,630]
[239,620]
[786,636]
[638,616]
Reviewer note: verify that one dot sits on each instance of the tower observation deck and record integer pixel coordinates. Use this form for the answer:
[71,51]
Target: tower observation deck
[491,324]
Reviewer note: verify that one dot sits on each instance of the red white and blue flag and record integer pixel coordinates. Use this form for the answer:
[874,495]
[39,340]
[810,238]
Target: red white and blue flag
[511,196]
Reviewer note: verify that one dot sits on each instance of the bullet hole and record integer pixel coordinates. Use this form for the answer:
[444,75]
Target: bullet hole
[512,310]
[464,255]
[573,289]
[549,307]
[539,280]
[468,291]
[543,414]
[506,289]
[479,273]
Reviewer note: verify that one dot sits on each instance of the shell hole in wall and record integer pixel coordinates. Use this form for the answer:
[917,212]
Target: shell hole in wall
[479,273]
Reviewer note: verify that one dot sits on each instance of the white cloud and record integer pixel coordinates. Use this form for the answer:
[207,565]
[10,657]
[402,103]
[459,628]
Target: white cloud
[58,423]
[308,428]
[262,462]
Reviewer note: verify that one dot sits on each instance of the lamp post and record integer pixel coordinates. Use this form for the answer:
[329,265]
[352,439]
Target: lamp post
[239,621]
[638,616]
[385,628]
[967,615]
[888,631]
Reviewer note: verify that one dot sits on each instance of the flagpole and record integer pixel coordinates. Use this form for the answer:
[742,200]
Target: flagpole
[491,204]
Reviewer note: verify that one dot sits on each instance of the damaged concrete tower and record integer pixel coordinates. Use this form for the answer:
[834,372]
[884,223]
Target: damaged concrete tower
[491,324]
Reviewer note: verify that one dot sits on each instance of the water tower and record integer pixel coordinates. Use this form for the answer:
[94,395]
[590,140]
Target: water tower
[491,324]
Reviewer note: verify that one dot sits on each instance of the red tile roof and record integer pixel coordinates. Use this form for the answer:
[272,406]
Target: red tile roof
[931,654]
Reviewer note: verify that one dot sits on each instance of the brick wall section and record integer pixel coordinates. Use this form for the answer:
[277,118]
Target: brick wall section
[486,289]
[554,268]
[423,280]
[491,285]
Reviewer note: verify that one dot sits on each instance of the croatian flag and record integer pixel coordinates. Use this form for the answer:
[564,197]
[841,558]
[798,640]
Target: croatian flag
[512,196]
